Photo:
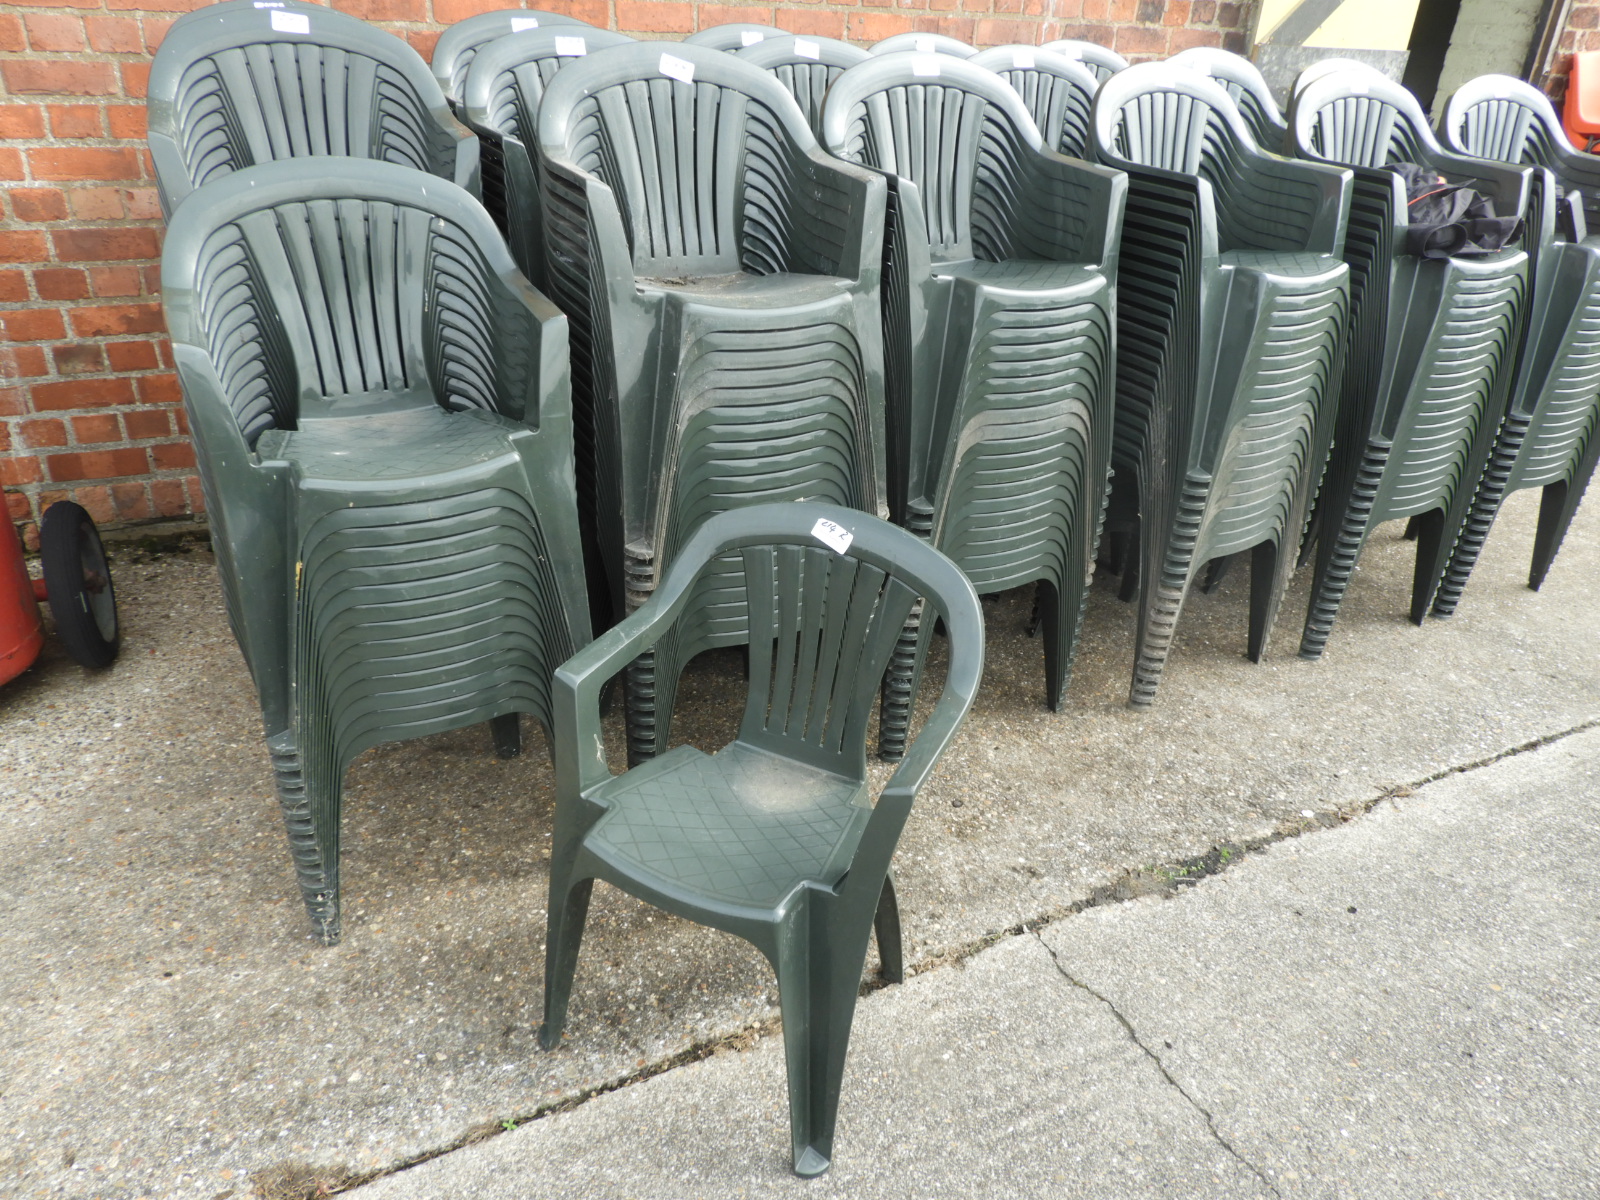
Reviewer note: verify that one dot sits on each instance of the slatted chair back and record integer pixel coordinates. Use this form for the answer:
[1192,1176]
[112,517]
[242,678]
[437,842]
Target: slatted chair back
[460,43]
[1058,92]
[806,66]
[1100,61]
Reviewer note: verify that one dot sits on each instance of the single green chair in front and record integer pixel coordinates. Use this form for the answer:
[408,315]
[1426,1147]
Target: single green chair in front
[807,67]
[999,281]
[1100,61]
[236,85]
[1232,302]
[721,273]
[1432,346]
[462,42]
[1550,438]
[1058,92]
[1243,82]
[735,35]
[379,403]
[775,837]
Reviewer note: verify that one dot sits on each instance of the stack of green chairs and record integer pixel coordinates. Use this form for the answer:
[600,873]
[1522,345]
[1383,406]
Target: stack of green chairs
[1551,434]
[1432,346]
[461,43]
[735,35]
[721,273]
[1231,312]
[805,66]
[775,838]
[1243,82]
[923,43]
[1099,61]
[380,408]
[1058,92]
[235,85]
[1000,272]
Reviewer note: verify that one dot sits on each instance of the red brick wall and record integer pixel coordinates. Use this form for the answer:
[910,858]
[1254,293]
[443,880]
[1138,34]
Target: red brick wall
[89,407]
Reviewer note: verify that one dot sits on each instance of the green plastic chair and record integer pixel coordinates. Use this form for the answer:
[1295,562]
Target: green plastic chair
[1432,343]
[923,43]
[380,408]
[721,273]
[998,312]
[1551,435]
[1100,62]
[234,85]
[774,838]
[1056,90]
[1232,302]
[805,66]
[735,35]
[462,42]
[1243,82]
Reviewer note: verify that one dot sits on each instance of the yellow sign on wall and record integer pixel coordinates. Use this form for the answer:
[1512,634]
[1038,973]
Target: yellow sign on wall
[1336,24]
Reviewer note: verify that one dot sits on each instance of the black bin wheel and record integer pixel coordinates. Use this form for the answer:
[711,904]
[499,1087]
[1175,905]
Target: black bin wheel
[78,583]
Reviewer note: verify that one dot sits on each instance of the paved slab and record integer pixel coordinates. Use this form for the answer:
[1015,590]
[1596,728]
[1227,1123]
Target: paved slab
[1400,1007]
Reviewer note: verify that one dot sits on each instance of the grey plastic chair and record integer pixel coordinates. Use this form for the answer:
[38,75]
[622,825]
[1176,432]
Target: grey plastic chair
[460,43]
[1551,435]
[774,838]
[998,310]
[923,43]
[1057,92]
[234,85]
[1100,61]
[1232,301]
[805,66]
[735,35]
[1432,343]
[380,408]
[721,273]
[1243,82]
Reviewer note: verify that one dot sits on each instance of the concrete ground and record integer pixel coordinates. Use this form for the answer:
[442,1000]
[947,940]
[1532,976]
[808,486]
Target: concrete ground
[167,1027]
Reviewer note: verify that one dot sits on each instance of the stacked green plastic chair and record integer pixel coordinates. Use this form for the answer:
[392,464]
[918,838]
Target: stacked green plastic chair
[998,331]
[807,67]
[235,85]
[500,101]
[1551,435]
[923,43]
[461,43]
[775,837]
[721,273]
[1231,308]
[1057,91]
[1432,343]
[1099,61]
[1243,82]
[380,408]
[735,35]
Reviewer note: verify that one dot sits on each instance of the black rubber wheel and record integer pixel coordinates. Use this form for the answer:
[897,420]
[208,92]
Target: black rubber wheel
[78,583]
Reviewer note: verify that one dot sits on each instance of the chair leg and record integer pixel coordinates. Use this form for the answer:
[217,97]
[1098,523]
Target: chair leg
[1268,578]
[900,688]
[297,787]
[1557,507]
[639,692]
[1158,622]
[1433,552]
[507,731]
[569,910]
[1339,549]
[1216,572]
[886,927]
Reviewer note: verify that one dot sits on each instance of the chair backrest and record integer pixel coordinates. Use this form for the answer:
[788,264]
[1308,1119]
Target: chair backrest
[234,86]
[460,44]
[1159,115]
[1359,119]
[1506,119]
[735,35]
[1244,83]
[904,113]
[697,147]
[807,67]
[360,283]
[829,592]
[503,89]
[923,43]
[1058,92]
[1099,61]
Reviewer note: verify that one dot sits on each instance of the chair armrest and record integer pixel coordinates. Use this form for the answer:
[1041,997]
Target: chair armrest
[841,225]
[468,172]
[1075,213]
[1507,186]
[1322,189]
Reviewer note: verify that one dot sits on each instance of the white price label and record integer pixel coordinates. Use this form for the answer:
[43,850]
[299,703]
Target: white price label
[290,22]
[1022,60]
[749,37]
[926,65]
[925,45]
[269,3]
[518,24]
[832,535]
[571,47]
[805,49]
[677,68]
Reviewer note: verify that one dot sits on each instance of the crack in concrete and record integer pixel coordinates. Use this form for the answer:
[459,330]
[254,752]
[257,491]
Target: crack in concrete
[1133,1036]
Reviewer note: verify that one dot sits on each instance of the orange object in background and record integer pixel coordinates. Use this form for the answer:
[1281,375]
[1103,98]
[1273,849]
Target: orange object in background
[21,631]
[1581,115]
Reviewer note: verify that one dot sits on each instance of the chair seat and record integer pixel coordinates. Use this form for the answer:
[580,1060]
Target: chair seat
[414,444]
[740,827]
[1022,275]
[740,289]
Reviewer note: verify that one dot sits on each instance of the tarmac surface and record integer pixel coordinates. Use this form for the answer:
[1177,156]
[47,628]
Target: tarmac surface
[168,1027]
